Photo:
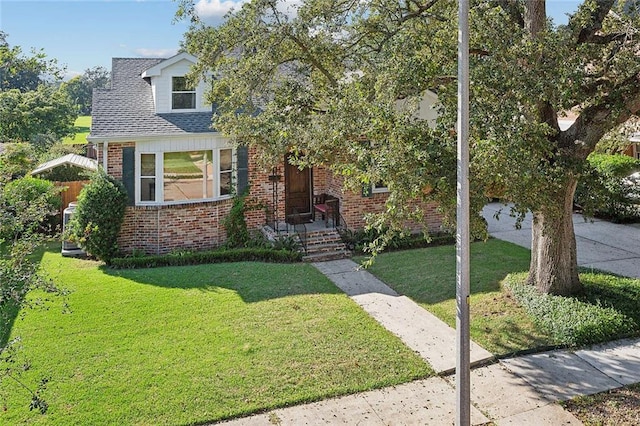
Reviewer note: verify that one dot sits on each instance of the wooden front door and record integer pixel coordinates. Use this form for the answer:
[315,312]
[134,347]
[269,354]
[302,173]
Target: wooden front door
[297,192]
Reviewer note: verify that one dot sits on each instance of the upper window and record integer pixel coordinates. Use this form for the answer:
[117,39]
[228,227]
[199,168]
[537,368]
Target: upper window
[183,95]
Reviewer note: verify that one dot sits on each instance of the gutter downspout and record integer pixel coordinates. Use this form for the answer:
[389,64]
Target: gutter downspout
[105,146]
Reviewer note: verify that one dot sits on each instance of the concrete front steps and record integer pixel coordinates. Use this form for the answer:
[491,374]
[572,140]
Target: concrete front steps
[325,245]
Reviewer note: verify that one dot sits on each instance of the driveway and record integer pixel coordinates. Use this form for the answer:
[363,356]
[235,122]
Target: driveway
[600,244]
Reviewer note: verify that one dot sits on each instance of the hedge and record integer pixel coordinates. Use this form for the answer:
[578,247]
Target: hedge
[203,257]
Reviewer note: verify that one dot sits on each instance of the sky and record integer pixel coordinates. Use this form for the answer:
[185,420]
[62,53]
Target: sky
[82,34]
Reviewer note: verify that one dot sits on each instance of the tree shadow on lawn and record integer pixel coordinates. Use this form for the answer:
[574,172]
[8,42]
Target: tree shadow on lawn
[428,276]
[607,289]
[252,281]
[10,308]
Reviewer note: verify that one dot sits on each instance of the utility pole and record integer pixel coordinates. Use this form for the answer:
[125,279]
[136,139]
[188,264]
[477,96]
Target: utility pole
[463,370]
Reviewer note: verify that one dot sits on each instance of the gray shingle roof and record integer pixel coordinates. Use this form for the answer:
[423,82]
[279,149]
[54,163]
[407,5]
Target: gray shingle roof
[127,108]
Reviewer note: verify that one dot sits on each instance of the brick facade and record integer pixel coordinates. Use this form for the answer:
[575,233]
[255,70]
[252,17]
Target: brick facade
[198,226]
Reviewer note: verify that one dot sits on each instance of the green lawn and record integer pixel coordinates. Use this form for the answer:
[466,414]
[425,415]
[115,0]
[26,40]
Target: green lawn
[184,345]
[497,323]
[82,125]
[428,276]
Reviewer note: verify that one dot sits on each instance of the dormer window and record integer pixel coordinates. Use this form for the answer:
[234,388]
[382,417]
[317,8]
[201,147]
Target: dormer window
[183,95]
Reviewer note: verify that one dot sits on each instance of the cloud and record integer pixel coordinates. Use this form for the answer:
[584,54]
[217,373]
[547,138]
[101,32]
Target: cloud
[216,9]
[212,11]
[155,53]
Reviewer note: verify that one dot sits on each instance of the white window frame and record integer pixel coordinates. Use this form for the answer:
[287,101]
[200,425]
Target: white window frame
[174,92]
[159,177]
[379,189]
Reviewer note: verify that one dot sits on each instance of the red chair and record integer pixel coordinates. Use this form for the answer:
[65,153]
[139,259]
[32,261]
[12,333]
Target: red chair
[327,206]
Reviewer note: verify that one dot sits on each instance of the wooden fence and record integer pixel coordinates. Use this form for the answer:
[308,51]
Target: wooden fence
[70,193]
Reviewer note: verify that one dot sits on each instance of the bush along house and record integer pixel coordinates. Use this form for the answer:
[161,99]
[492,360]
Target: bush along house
[153,131]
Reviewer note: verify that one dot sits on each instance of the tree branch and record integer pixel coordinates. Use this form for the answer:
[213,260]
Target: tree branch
[596,120]
[587,32]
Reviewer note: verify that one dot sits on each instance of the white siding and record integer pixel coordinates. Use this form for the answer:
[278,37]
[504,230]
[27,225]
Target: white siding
[426,109]
[187,143]
[161,86]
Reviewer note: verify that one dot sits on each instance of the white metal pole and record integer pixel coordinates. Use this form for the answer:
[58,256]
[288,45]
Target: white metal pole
[463,371]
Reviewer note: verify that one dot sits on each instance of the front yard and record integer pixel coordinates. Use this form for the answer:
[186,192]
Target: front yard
[183,345]
[197,344]
[498,323]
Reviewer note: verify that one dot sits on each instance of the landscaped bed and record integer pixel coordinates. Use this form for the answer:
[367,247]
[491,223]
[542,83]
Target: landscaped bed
[196,344]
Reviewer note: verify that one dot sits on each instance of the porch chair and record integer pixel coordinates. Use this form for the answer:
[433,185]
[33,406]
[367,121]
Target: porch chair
[327,206]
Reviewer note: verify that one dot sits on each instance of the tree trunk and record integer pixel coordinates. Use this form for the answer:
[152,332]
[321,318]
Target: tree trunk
[554,264]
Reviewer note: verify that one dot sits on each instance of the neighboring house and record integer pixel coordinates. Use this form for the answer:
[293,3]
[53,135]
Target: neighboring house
[153,132]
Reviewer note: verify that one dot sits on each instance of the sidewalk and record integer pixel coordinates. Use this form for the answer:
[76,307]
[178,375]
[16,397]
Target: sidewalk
[509,392]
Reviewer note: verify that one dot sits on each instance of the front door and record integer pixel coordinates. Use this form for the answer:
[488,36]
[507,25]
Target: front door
[297,192]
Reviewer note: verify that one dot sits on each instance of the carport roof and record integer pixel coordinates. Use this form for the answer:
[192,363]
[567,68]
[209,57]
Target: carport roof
[70,160]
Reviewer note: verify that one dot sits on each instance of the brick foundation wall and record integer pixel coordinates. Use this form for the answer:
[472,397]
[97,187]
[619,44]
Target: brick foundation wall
[162,229]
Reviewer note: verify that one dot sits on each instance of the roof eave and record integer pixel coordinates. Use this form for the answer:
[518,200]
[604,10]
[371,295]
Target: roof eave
[146,137]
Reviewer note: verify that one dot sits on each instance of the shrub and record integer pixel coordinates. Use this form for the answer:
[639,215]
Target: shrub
[214,256]
[16,160]
[603,192]
[235,224]
[360,240]
[100,212]
[26,195]
[569,320]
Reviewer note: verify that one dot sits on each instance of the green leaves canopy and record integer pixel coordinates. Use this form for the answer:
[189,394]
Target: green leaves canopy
[324,77]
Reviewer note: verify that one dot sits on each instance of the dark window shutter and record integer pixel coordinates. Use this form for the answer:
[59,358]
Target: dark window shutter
[243,169]
[129,173]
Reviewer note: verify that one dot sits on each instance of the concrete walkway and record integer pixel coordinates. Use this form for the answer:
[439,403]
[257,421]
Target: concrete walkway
[422,331]
[517,391]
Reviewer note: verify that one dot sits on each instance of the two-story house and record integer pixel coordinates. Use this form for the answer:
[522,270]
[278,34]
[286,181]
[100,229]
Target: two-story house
[153,131]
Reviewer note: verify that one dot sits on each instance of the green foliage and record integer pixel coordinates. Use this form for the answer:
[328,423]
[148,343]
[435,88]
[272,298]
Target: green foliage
[99,215]
[287,242]
[206,257]
[43,111]
[603,191]
[33,203]
[570,320]
[16,160]
[235,224]
[356,74]
[80,88]
[25,205]
[24,73]
[362,239]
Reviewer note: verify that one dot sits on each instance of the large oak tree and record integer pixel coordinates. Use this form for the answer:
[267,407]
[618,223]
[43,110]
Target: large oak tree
[340,81]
